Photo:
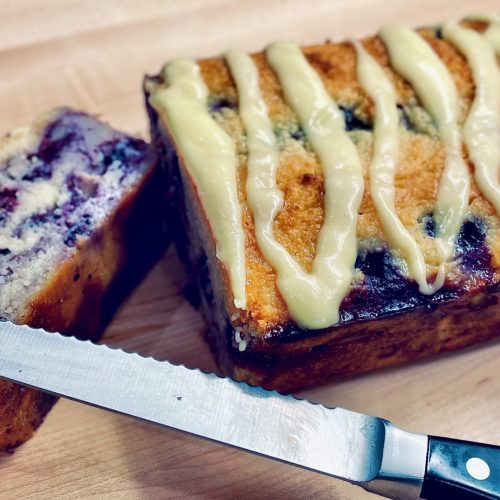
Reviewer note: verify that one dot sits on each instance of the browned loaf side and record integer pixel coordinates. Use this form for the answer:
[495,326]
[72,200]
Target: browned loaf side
[384,319]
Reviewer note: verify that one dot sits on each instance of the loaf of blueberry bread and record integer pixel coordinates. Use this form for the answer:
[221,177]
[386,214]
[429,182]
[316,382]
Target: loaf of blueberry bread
[338,205]
[79,223]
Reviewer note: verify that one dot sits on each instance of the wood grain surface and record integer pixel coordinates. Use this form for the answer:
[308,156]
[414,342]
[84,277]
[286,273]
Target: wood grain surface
[92,55]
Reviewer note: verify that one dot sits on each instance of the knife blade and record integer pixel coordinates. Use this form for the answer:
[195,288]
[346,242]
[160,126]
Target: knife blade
[361,449]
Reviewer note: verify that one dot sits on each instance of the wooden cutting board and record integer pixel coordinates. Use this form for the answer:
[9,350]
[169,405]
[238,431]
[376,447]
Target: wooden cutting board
[92,55]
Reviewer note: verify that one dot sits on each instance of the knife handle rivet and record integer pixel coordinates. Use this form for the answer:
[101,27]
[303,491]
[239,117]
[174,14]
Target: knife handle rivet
[478,468]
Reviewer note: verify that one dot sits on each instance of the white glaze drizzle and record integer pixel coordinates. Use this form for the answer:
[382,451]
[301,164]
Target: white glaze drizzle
[492,34]
[415,60]
[313,299]
[481,130]
[383,168]
[210,158]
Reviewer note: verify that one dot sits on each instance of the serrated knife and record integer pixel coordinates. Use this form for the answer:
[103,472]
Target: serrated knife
[361,449]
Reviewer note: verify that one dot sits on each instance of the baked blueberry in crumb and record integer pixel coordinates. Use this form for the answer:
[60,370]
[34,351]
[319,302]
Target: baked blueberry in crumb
[8,203]
[217,104]
[352,122]
[82,227]
[298,134]
[472,247]
[56,139]
[8,199]
[120,152]
[42,170]
[404,118]
[384,288]
[429,225]
[375,264]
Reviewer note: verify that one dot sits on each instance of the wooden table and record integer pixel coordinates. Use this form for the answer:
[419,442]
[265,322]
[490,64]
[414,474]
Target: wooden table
[93,55]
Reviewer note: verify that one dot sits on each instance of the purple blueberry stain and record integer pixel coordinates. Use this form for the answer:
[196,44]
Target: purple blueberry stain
[57,137]
[472,248]
[6,271]
[219,103]
[384,287]
[8,203]
[83,227]
[34,221]
[41,170]
[130,149]
[8,199]
[124,152]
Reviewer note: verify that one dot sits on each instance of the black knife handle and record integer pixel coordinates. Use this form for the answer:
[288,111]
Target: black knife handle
[461,470]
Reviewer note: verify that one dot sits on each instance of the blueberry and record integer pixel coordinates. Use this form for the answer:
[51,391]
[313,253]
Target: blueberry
[384,289]
[429,224]
[41,171]
[125,151]
[219,103]
[352,122]
[298,134]
[8,199]
[81,228]
[472,246]
[404,118]
[373,264]
[50,149]
[8,203]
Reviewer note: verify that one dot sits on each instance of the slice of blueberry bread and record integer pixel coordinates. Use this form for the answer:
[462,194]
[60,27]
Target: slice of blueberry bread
[338,205]
[79,223]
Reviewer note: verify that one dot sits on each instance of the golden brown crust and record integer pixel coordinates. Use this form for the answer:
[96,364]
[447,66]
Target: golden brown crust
[21,412]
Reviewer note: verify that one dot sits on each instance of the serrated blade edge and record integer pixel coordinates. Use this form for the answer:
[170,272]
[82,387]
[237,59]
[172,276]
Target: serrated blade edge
[337,442]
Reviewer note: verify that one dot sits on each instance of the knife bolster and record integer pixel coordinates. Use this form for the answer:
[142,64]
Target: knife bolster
[402,468]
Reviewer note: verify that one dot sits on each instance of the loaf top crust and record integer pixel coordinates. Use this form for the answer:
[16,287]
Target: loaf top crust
[380,280]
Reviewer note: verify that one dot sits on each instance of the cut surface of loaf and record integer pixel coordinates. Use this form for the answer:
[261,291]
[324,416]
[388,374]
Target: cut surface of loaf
[338,204]
[79,224]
